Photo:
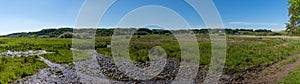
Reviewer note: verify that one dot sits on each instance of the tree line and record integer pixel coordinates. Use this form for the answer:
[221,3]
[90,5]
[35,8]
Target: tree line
[68,32]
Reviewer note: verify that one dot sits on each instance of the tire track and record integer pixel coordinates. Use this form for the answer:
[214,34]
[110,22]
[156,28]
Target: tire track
[275,77]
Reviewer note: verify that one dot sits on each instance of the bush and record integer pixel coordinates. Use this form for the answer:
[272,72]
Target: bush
[261,34]
[66,35]
[275,34]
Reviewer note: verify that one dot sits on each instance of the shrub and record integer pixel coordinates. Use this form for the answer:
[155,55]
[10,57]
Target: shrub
[66,35]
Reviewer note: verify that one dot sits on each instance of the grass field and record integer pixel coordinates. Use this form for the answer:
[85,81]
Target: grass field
[14,68]
[243,53]
[19,67]
[292,77]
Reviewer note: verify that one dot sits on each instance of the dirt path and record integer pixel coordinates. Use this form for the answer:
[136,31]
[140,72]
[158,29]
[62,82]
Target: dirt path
[273,78]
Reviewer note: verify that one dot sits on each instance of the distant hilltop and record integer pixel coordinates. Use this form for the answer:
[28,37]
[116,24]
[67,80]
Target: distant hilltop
[68,32]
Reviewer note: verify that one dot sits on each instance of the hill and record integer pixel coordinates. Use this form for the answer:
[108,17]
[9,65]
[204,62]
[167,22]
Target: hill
[45,33]
[68,32]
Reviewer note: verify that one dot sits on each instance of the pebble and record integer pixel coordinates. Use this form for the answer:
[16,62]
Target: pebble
[103,70]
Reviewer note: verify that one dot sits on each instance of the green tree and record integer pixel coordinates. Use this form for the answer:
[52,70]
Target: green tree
[294,13]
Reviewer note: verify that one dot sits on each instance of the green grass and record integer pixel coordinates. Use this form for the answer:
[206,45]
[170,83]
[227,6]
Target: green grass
[247,53]
[292,77]
[242,53]
[280,66]
[60,56]
[24,44]
[14,68]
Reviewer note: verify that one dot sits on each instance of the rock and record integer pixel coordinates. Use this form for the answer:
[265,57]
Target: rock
[103,70]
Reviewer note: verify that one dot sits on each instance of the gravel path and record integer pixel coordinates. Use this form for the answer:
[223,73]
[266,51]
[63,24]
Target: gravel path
[57,73]
[86,71]
[102,70]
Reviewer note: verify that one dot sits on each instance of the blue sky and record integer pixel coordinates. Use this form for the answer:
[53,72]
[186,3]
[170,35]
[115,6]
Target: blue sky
[33,15]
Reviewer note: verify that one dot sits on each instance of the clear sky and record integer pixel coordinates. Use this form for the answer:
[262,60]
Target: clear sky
[33,15]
